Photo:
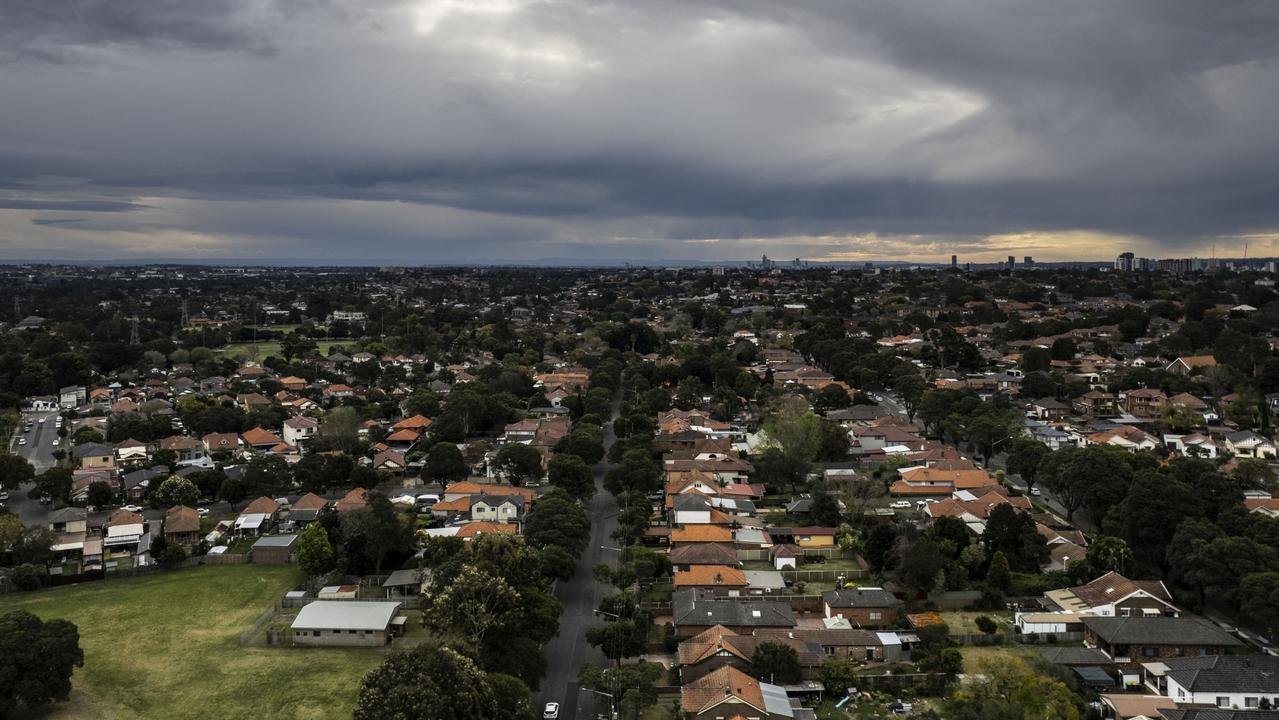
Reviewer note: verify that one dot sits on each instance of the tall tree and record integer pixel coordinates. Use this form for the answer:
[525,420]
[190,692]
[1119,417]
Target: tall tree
[571,473]
[429,682]
[315,553]
[775,662]
[37,659]
[519,463]
[474,604]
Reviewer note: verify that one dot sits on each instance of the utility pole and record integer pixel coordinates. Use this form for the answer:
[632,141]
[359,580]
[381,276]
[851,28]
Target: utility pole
[134,339]
[186,318]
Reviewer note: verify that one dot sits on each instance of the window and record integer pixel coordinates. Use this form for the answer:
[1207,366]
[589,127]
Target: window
[1223,701]
[1149,651]
[350,632]
[315,633]
[1252,702]
[876,616]
[1125,612]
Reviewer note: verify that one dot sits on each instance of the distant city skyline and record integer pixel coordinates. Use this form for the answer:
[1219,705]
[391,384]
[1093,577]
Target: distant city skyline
[492,131]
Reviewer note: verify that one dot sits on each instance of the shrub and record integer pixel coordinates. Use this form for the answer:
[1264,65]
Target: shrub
[986,625]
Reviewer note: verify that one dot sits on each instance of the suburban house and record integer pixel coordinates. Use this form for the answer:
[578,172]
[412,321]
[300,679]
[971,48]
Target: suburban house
[355,499]
[688,555]
[718,647]
[1113,595]
[1248,444]
[499,508]
[1228,682]
[124,531]
[731,693]
[182,526]
[257,517]
[1132,639]
[693,611]
[720,579]
[221,442]
[94,456]
[407,583]
[1187,364]
[862,607]
[348,623]
[273,550]
[68,520]
[845,643]
[187,449]
[300,428]
[1145,402]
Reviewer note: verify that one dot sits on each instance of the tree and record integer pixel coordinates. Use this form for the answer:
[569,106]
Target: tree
[986,625]
[775,662]
[824,509]
[372,534]
[473,605]
[557,519]
[622,637]
[557,563]
[1090,475]
[999,575]
[36,660]
[1110,553]
[100,494]
[10,533]
[231,490]
[176,491]
[1024,459]
[429,682]
[54,483]
[572,474]
[1013,690]
[15,472]
[1259,600]
[315,553]
[793,427]
[1013,533]
[514,700]
[519,463]
[444,464]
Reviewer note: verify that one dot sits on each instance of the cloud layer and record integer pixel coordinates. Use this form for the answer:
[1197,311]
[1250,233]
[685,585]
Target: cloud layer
[512,130]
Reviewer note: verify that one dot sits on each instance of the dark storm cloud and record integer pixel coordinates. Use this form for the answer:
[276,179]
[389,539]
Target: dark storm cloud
[545,124]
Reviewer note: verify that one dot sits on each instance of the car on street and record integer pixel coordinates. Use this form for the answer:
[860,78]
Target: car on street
[22,441]
[41,421]
[901,505]
[133,508]
[203,511]
[56,442]
[4,494]
[1036,492]
[551,712]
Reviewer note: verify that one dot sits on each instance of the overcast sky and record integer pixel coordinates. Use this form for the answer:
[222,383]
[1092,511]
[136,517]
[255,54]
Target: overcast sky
[506,130]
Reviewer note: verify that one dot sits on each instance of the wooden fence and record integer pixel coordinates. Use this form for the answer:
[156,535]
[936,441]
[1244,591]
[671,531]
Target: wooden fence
[226,559]
[1023,639]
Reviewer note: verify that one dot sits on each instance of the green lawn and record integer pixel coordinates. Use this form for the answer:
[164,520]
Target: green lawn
[166,645]
[974,654]
[964,622]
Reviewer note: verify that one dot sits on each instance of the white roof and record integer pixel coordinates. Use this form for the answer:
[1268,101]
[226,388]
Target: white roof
[346,615]
[251,520]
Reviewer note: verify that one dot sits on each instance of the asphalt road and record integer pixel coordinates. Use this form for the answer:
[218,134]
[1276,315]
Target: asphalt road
[39,448]
[579,597]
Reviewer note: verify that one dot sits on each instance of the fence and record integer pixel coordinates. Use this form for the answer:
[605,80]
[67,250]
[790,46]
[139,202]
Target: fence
[929,683]
[830,552]
[227,559]
[822,575]
[1023,639]
[408,603]
[246,637]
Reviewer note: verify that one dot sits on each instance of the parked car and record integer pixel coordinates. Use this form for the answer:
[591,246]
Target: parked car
[1036,492]
[56,442]
[22,441]
[901,505]
[552,711]
[4,494]
[133,508]
[203,511]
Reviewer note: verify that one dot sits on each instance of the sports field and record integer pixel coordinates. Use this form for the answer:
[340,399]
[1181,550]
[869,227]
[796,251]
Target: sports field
[166,645]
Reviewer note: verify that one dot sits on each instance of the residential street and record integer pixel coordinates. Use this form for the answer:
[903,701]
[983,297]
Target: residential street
[580,596]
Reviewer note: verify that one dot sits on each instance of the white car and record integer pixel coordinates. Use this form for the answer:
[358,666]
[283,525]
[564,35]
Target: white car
[56,442]
[203,511]
[901,505]
[1036,492]
[133,508]
[22,441]
[552,711]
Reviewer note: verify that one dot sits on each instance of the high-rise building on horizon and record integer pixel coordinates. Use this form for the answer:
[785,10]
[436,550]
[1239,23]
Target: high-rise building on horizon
[954,262]
[1012,262]
[1028,261]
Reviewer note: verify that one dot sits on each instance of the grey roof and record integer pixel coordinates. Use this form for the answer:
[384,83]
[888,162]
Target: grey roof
[498,500]
[1159,631]
[770,579]
[1214,714]
[92,450]
[67,514]
[691,501]
[284,541]
[703,610]
[1074,656]
[776,702]
[411,576]
[1226,673]
[346,615]
[860,598]
[1094,676]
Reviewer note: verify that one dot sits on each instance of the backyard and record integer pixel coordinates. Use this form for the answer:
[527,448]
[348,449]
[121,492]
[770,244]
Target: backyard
[166,645]
[263,350]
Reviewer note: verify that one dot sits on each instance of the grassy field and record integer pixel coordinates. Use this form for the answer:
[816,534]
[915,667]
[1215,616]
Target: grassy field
[267,349]
[166,645]
[973,655]
[964,622]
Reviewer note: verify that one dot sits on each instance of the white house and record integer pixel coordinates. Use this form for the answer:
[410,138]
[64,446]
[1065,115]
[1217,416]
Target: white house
[297,429]
[1227,682]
